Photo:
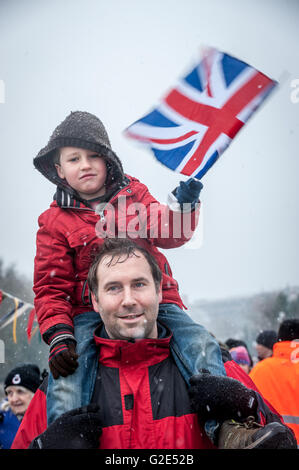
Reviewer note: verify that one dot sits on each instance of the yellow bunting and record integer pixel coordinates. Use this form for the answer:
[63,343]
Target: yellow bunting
[15,321]
[34,331]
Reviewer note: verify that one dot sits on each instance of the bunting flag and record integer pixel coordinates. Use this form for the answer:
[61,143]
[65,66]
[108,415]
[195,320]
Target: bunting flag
[14,329]
[8,317]
[198,118]
[19,309]
[31,319]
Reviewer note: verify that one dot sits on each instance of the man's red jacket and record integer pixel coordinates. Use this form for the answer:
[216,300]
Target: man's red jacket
[143,398]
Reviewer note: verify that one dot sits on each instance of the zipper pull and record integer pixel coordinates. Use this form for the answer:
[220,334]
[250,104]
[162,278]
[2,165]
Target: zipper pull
[100,211]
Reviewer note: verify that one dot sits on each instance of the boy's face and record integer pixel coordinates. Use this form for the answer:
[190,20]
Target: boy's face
[84,170]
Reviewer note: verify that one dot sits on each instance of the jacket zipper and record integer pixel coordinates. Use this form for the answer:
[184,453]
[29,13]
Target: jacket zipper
[101,212]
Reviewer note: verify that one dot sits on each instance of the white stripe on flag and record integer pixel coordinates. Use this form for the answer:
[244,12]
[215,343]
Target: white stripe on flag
[220,144]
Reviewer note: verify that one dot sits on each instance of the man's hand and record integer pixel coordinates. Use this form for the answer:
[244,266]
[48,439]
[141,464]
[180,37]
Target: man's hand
[77,429]
[215,397]
[188,192]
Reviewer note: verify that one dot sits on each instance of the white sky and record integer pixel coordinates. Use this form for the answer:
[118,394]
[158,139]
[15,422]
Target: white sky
[115,59]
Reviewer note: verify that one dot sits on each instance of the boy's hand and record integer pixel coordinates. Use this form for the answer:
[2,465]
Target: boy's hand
[77,429]
[188,192]
[63,357]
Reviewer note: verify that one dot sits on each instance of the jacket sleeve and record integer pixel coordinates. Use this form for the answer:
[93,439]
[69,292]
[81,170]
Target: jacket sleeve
[34,422]
[166,228]
[266,411]
[53,275]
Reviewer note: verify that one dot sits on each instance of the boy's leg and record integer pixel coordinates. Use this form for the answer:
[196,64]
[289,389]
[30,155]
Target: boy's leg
[67,393]
[193,347]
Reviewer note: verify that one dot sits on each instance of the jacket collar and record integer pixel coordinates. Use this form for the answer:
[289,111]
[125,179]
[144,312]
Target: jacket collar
[116,352]
[68,199]
[286,349]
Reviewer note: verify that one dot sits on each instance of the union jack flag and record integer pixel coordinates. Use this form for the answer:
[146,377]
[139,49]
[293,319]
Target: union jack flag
[197,120]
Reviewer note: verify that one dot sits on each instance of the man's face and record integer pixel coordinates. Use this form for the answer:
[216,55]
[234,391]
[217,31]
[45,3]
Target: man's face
[263,352]
[84,170]
[128,301]
[18,399]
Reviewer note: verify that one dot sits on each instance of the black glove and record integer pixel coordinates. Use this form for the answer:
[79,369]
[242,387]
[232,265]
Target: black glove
[188,192]
[62,356]
[221,398]
[77,429]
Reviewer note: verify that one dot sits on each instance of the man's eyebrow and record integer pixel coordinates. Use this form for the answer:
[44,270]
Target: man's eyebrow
[110,283]
[114,283]
[138,279]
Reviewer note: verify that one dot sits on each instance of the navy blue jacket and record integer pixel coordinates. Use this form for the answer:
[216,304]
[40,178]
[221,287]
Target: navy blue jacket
[9,424]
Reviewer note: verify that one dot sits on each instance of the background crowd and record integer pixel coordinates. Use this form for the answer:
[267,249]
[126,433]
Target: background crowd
[274,370]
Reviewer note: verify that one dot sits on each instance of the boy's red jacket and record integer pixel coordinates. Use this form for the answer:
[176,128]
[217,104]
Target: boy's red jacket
[143,398]
[68,235]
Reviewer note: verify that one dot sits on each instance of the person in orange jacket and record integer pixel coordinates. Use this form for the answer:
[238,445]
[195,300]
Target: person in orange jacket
[277,377]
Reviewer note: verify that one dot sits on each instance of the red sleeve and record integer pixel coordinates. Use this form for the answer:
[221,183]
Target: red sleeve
[53,275]
[166,228]
[236,372]
[33,423]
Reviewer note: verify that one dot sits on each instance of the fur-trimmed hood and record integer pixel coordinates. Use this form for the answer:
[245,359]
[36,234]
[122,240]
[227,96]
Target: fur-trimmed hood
[4,406]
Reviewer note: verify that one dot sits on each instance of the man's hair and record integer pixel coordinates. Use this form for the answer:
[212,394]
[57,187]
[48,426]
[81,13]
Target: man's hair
[289,330]
[120,249]
[267,338]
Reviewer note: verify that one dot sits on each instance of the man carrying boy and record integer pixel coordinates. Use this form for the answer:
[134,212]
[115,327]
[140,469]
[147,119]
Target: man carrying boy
[95,199]
[139,399]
